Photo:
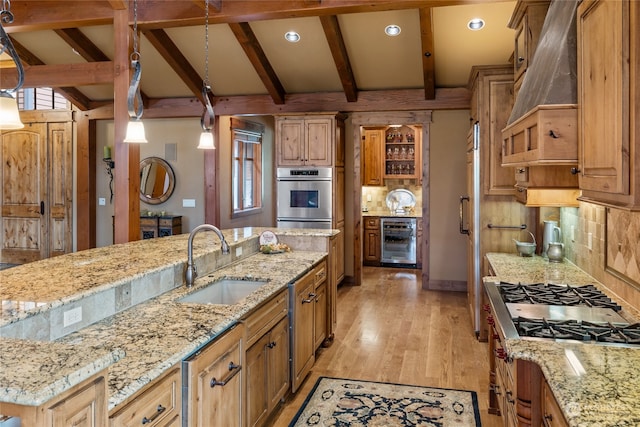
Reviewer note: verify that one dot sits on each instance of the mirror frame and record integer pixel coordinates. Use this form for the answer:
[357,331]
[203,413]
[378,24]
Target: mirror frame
[172,180]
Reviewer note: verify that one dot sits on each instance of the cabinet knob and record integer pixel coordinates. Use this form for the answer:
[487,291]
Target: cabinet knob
[575,171]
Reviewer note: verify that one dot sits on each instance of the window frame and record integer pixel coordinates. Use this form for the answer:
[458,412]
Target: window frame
[246,134]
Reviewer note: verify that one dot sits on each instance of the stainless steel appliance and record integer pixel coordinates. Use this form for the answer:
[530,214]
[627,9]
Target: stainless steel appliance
[304,197]
[398,240]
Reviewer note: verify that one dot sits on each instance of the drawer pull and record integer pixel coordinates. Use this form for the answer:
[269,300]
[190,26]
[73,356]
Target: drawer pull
[310,300]
[153,417]
[271,344]
[233,371]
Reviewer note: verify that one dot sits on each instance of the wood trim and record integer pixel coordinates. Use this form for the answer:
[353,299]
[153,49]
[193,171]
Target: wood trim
[86,182]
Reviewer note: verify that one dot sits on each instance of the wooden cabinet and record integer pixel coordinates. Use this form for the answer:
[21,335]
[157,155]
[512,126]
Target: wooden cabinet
[419,237]
[491,89]
[320,312]
[372,156]
[546,135]
[160,226]
[527,21]
[609,94]
[547,186]
[267,358]
[308,140]
[371,241]
[214,382]
[552,415]
[303,318]
[402,152]
[158,405]
[84,405]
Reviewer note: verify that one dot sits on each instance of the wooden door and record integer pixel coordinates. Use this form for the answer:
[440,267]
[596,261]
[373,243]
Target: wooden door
[257,400]
[303,315]
[85,408]
[36,192]
[289,142]
[278,378]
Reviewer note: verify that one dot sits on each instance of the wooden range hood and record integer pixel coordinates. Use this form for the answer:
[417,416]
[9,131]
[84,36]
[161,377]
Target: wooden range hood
[541,137]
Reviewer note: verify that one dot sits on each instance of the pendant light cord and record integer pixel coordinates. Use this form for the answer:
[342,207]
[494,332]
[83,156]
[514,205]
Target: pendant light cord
[206,86]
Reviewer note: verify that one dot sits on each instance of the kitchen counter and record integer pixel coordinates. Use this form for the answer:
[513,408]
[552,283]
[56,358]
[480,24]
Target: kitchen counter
[595,385]
[147,337]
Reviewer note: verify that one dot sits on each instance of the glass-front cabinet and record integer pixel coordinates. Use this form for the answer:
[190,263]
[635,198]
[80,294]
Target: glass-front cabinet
[402,152]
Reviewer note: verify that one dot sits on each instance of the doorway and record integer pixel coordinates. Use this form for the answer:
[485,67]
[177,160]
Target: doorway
[359,121]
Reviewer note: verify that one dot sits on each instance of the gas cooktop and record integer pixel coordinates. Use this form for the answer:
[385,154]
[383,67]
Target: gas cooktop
[561,312]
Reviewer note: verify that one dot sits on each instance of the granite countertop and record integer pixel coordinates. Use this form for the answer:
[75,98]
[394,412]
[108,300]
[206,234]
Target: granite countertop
[143,341]
[595,385]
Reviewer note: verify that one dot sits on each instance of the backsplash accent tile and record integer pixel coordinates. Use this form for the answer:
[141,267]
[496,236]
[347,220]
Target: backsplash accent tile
[379,194]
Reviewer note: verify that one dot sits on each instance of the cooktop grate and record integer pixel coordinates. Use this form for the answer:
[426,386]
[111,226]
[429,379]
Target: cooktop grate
[550,294]
[579,330]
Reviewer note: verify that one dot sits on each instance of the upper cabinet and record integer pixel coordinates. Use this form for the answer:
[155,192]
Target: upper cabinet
[309,140]
[402,150]
[527,20]
[391,152]
[491,89]
[609,94]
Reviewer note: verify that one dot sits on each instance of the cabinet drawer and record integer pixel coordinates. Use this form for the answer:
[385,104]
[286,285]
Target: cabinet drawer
[158,404]
[265,317]
[320,273]
[371,223]
[552,414]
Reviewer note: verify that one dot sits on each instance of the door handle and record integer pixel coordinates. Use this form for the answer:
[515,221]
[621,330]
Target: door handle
[41,208]
[462,229]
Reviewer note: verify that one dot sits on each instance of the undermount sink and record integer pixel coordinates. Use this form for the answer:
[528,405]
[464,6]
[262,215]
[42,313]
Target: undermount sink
[224,291]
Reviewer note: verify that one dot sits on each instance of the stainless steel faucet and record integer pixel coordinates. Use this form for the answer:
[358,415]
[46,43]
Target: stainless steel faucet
[191,273]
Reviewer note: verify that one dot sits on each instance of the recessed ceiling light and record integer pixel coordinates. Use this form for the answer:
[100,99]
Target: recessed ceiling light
[475,24]
[292,36]
[392,30]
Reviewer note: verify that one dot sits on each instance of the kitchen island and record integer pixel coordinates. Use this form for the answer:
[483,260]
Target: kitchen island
[594,385]
[127,296]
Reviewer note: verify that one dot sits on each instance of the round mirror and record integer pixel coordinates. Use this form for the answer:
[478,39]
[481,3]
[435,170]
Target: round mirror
[157,180]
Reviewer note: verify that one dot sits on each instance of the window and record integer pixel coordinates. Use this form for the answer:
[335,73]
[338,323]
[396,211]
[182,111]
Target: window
[41,98]
[247,166]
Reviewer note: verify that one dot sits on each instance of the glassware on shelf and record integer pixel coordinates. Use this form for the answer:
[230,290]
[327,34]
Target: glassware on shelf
[396,153]
[403,153]
[411,153]
[389,154]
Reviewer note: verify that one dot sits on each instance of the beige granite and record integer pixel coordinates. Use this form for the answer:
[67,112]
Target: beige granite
[601,388]
[144,338]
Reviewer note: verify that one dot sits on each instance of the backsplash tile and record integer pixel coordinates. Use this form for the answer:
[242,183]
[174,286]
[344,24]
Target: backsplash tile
[379,194]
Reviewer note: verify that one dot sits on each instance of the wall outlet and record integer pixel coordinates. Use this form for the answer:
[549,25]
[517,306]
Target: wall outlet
[590,241]
[72,316]
[188,203]
[102,201]
[238,251]
[573,233]
[368,197]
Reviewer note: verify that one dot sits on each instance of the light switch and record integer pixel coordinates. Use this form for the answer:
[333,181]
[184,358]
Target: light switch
[188,203]
[102,201]
[590,241]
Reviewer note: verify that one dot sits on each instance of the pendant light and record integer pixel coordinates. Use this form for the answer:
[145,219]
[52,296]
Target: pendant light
[135,128]
[206,137]
[9,115]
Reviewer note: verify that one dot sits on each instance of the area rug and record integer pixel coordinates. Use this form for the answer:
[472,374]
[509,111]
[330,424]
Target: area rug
[353,403]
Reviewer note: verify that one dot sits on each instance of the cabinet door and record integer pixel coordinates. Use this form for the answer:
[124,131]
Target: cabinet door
[372,157]
[85,408]
[215,383]
[371,251]
[318,142]
[290,135]
[320,315]
[603,93]
[303,342]
[256,371]
[278,357]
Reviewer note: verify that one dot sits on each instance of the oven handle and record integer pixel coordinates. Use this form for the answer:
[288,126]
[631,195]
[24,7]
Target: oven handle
[462,229]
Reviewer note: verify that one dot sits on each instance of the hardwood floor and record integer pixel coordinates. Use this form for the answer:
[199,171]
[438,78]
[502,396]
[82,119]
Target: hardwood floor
[391,330]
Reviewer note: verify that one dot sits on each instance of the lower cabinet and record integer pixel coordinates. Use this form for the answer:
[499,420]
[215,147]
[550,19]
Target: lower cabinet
[267,359]
[304,310]
[551,413]
[84,405]
[158,405]
[213,379]
[371,241]
[320,314]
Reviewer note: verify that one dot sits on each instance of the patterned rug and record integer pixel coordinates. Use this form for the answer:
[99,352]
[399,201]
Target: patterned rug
[344,402]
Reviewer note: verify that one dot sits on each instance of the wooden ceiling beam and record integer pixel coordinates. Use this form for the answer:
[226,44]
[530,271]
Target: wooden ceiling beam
[428,61]
[258,59]
[82,44]
[340,56]
[61,75]
[171,53]
[71,94]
